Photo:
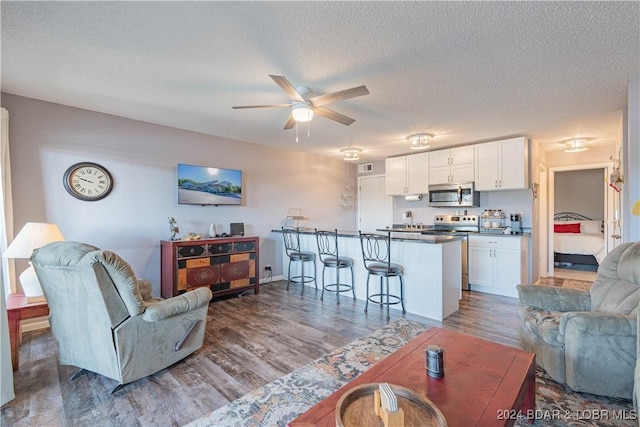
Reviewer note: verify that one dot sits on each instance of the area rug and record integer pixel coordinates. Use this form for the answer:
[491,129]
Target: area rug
[284,399]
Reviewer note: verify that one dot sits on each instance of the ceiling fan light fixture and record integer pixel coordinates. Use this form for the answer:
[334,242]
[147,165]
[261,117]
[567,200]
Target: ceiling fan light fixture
[302,112]
[575,145]
[351,153]
[419,141]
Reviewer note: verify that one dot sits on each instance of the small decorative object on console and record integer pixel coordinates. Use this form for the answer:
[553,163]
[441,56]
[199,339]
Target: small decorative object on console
[173,229]
[237,229]
[192,236]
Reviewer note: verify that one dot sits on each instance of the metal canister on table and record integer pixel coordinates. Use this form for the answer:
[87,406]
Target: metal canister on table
[434,361]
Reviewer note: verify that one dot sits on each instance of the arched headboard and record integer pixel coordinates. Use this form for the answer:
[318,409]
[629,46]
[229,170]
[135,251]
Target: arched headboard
[570,216]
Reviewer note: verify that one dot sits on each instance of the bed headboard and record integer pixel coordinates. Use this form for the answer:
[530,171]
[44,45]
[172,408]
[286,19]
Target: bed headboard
[570,216]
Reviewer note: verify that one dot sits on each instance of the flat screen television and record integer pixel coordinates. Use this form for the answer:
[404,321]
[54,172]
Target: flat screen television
[204,185]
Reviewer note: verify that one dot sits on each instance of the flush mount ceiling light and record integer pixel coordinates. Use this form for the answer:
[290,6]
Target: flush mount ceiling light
[302,112]
[419,141]
[351,153]
[575,145]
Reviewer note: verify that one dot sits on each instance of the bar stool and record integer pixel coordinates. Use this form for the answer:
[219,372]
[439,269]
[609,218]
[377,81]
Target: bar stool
[376,254]
[292,247]
[330,257]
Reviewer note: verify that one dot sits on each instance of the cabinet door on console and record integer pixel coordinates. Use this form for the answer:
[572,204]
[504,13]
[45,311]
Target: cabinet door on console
[195,273]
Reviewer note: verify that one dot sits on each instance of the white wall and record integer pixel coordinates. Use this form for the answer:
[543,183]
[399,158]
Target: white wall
[631,162]
[595,154]
[46,138]
[580,191]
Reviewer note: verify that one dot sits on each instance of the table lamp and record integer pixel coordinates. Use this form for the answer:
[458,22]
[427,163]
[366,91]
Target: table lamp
[32,236]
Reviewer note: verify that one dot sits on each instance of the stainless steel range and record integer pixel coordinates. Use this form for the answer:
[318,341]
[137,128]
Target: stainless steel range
[457,225]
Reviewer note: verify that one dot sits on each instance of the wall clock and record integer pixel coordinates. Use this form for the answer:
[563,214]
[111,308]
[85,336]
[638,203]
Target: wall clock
[88,181]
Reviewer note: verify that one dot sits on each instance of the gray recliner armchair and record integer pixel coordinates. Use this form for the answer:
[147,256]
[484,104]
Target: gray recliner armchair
[588,340]
[105,319]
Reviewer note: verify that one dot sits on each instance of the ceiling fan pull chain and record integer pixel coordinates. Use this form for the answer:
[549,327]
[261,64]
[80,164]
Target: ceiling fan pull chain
[309,129]
[297,131]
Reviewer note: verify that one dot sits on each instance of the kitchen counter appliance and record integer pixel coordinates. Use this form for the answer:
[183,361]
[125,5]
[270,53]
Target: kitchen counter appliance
[516,223]
[459,225]
[454,195]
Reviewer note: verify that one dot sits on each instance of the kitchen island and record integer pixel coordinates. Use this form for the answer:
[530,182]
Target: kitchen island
[432,272]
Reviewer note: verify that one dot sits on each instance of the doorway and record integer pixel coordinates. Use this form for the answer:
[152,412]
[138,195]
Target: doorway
[375,208]
[581,190]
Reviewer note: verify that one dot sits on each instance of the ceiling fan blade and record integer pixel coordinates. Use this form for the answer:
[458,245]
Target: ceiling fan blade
[333,115]
[341,95]
[290,123]
[262,106]
[287,87]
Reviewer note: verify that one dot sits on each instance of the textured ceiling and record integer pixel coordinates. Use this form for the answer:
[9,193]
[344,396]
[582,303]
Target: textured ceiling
[463,71]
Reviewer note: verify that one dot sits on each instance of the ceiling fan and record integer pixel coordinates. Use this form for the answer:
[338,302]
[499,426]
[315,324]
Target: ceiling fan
[303,107]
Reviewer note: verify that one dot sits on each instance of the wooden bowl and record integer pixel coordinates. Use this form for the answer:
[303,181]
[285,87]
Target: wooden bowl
[355,408]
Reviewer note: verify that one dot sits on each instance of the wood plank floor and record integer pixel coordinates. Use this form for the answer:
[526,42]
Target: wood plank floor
[250,341]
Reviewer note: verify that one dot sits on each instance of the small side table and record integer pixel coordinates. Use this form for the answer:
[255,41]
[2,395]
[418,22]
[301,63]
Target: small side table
[18,308]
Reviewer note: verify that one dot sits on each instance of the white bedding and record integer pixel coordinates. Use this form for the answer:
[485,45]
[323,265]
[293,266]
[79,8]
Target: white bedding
[580,243]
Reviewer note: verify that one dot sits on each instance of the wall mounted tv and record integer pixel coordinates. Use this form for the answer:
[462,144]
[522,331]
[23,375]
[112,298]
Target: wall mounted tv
[203,185]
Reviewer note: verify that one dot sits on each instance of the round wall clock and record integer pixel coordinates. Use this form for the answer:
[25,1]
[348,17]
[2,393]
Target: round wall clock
[88,181]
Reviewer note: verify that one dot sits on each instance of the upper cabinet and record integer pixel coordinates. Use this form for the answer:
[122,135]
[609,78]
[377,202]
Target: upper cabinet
[497,165]
[452,165]
[407,175]
[502,165]
[396,176]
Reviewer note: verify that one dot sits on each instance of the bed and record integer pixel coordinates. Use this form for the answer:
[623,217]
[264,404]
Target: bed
[577,239]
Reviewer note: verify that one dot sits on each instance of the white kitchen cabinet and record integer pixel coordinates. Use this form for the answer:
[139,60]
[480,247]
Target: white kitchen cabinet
[407,175]
[396,176]
[497,263]
[502,165]
[452,165]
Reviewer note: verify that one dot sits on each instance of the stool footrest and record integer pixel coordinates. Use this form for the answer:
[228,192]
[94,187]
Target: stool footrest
[302,279]
[333,287]
[381,299]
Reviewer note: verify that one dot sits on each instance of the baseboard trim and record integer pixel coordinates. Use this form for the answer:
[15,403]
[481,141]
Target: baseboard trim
[271,279]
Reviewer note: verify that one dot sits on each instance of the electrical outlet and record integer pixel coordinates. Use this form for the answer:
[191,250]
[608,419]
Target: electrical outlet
[267,267]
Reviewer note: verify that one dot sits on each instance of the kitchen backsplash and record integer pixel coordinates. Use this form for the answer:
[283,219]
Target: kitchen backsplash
[509,201]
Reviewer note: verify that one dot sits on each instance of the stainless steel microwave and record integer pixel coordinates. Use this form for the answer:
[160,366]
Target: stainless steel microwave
[454,195]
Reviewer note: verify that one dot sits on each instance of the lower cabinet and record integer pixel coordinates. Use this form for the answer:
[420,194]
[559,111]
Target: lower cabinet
[498,263]
[224,265]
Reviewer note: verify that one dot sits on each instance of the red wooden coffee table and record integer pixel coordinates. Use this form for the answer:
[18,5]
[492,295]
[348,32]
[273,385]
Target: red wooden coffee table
[485,384]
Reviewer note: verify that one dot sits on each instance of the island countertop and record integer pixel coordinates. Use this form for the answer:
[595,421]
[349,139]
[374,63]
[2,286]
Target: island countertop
[396,236]
[431,264]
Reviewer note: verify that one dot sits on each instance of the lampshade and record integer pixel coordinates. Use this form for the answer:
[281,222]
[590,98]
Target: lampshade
[575,145]
[351,153]
[302,112]
[419,141]
[32,236]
